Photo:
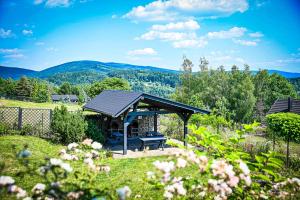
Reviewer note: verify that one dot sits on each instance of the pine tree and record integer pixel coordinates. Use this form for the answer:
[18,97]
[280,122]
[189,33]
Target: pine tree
[24,88]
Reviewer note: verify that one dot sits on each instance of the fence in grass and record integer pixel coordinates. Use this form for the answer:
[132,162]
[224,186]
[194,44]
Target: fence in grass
[36,119]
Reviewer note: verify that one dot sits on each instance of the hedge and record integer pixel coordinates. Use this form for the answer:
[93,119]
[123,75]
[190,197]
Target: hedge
[283,124]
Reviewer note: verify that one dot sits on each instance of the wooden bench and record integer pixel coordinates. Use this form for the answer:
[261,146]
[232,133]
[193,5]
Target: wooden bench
[153,140]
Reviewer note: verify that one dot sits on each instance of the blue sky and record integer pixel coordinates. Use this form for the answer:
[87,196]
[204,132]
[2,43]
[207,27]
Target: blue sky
[36,34]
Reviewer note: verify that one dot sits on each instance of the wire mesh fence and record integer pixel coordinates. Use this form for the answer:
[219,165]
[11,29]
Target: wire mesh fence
[19,118]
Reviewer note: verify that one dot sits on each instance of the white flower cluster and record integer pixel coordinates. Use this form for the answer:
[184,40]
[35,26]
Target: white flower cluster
[192,157]
[66,156]
[90,162]
[54,162]
[95,145]
[74,195]
[227,177]
[124,192]
[8,182]
[86,156]
[38,188]
[175,188]
[166,168]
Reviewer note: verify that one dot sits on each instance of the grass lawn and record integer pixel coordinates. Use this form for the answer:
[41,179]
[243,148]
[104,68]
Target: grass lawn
[25,104]
[131,172]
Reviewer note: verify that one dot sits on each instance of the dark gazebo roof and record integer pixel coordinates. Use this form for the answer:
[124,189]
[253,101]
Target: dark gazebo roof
[282,105]
[115,102]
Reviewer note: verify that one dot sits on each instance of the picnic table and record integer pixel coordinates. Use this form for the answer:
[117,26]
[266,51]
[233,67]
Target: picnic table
[153,140]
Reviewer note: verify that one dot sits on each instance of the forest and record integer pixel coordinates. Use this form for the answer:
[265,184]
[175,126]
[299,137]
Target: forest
[238,94]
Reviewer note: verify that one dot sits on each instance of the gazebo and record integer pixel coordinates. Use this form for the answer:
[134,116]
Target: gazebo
[129,105]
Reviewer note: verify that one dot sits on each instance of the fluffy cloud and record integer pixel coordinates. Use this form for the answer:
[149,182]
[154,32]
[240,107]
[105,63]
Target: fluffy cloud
[16,55]
[39,43]
[231,33]
[52,49]
[27,32]
[245,42]
[187,25]
[167,36]
[11,53]
[8,51]
[173,9]
[54,3]
[6,33]
[190,43]
[256,34]
[145,51]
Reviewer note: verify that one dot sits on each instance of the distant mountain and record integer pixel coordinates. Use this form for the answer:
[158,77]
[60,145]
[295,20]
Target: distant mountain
[285,74]
[96,67]
[15,72]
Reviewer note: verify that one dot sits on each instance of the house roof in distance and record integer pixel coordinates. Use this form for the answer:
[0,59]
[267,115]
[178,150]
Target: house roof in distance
[281,105]
[59,97]
[115,102]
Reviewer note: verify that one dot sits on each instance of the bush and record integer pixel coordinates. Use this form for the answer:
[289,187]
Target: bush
[68,127]
[94,132]
[4,128]
[28,129]
[284,124]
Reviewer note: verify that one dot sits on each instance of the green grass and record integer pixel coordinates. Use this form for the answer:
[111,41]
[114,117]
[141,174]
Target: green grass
[131,172]
[26,104]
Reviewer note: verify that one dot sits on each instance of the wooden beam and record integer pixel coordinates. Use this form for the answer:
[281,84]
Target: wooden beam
[148,113]
[185,117]
[155,122]
[125,138]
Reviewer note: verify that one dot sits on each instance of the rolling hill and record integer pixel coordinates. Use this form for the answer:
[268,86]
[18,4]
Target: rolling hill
[100,68]
[15,72]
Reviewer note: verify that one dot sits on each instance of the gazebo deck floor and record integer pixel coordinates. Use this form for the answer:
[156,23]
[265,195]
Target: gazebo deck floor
[135,152]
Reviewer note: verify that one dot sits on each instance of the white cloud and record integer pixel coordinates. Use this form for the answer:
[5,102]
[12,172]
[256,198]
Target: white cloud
[38,2]
[12,53]
[27,32]
[52,49]
[9,51]
[54,3]
[16,55]
[245,42]
[114,16]
[256,34]
[166,36]
[186,25]
[190,43]
[39,43]
[145,51]
[173,9]
[6,33]
[231,33]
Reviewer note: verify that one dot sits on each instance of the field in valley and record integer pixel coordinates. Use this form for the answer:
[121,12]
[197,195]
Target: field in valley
[27,104]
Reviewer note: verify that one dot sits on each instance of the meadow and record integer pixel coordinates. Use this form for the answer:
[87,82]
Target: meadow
[28,104]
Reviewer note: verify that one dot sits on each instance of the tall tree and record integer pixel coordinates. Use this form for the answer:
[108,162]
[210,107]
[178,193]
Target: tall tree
[24,88]
[108,84]
[65,88]
[203,64]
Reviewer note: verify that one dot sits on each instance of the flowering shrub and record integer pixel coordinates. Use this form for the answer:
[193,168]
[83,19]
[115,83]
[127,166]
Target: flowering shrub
[224,171]
[61,180]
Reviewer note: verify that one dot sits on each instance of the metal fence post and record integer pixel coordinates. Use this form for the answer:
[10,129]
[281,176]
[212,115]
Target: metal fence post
[20,118]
